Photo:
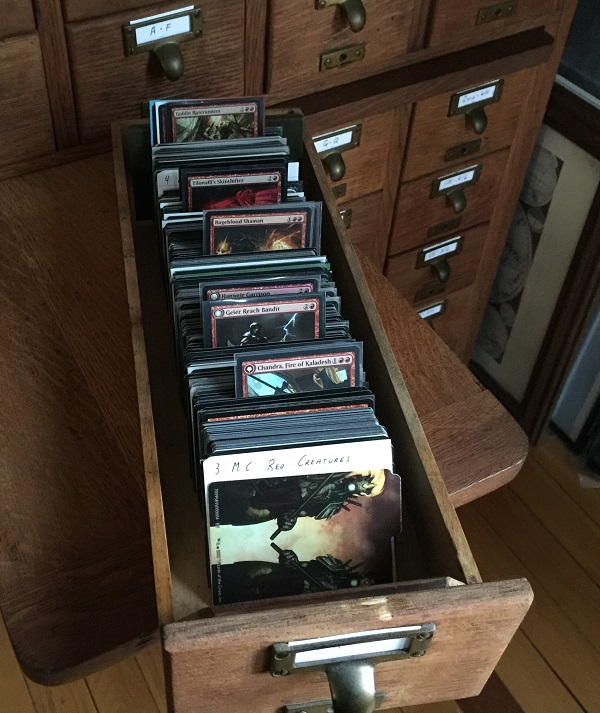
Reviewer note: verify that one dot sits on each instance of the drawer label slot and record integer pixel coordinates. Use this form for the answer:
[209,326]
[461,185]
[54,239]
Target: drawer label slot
[453,181]
[429,313]
[346,216]
[338,140]
[145,34]
[368,646]
[447,248]
[481,96]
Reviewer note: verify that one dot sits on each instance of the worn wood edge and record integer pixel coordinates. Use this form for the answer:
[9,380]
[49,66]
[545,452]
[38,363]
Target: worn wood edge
[255,46]
[51,31]
[56,158]
[160,552]
[434,487]
[421,78]
[184,637]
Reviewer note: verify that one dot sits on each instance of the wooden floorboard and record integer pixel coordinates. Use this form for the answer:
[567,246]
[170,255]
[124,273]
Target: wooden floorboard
[544,526]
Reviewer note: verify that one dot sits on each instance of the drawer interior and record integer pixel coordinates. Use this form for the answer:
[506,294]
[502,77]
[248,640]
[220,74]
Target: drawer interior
[432,544]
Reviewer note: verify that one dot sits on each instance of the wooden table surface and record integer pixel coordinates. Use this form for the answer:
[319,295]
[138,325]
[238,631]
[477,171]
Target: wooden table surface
[76,583]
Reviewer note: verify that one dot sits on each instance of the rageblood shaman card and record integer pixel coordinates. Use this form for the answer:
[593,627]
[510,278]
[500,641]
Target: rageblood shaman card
[209,120]
[272,537]
[255,231]
[268,373]
[287,318]
[211,190]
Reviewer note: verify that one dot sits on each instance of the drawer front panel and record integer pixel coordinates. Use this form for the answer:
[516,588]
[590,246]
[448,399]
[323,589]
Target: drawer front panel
[365,230]
[438,141]
[109,85]
[438,268]
[17,18]
[25,134]
[364,165]
[84,9]
[421,217]
[470,22]
[300,34]
[450,318]
[219,664]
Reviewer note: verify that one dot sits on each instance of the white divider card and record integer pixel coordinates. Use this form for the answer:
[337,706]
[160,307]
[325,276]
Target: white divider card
[167,180]
[307,460]
[165,24]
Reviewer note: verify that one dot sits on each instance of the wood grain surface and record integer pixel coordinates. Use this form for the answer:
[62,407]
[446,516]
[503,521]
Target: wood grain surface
[17,18]
[294,67]
[433,132]
[86,9]
[53,41]
[366,163]
[109,85]
[75,554]
[417,211]
[410,279]
[451,22]
[367,230]
[77,585]
[466,617]
[24,134]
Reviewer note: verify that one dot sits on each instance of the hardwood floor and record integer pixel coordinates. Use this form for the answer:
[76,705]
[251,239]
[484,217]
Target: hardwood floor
[543,526]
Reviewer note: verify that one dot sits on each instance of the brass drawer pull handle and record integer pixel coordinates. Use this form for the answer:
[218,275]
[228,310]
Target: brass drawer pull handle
[171,60]
[478,119]
[441,269]
[335,166]
[457,199]
[352,686]
[354,9]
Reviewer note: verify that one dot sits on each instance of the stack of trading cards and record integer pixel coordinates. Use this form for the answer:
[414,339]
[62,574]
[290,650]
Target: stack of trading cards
[285,446]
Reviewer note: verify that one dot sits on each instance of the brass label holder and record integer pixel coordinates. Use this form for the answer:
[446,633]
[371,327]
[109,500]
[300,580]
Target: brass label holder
[162,34]
[444,227]
[338,191]
[452,186]
[430,312]
[500,11]
[341,57]
[330,146]
[440,251]
[349,661]
[472,103]
[346,216]
[462,150]
[353,9]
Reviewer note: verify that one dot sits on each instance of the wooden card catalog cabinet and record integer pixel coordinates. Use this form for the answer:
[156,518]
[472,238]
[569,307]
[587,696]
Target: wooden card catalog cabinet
[434,635]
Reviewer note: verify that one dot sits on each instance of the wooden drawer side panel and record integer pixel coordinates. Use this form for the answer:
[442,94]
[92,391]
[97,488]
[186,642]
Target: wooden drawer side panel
[218,665]
[25,134]
[16,17]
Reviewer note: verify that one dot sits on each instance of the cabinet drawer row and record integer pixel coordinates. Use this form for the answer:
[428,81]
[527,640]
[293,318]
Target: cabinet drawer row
[307,49]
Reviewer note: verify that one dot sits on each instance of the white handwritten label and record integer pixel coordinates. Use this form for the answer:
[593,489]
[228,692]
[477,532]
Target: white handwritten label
[312,460]
[477,95]
[160,30]
[432,311]
[457,179]
[167,180]
[333,141]
[441,249]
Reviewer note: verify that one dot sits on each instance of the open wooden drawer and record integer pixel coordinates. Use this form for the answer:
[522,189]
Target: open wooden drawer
[218,661]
